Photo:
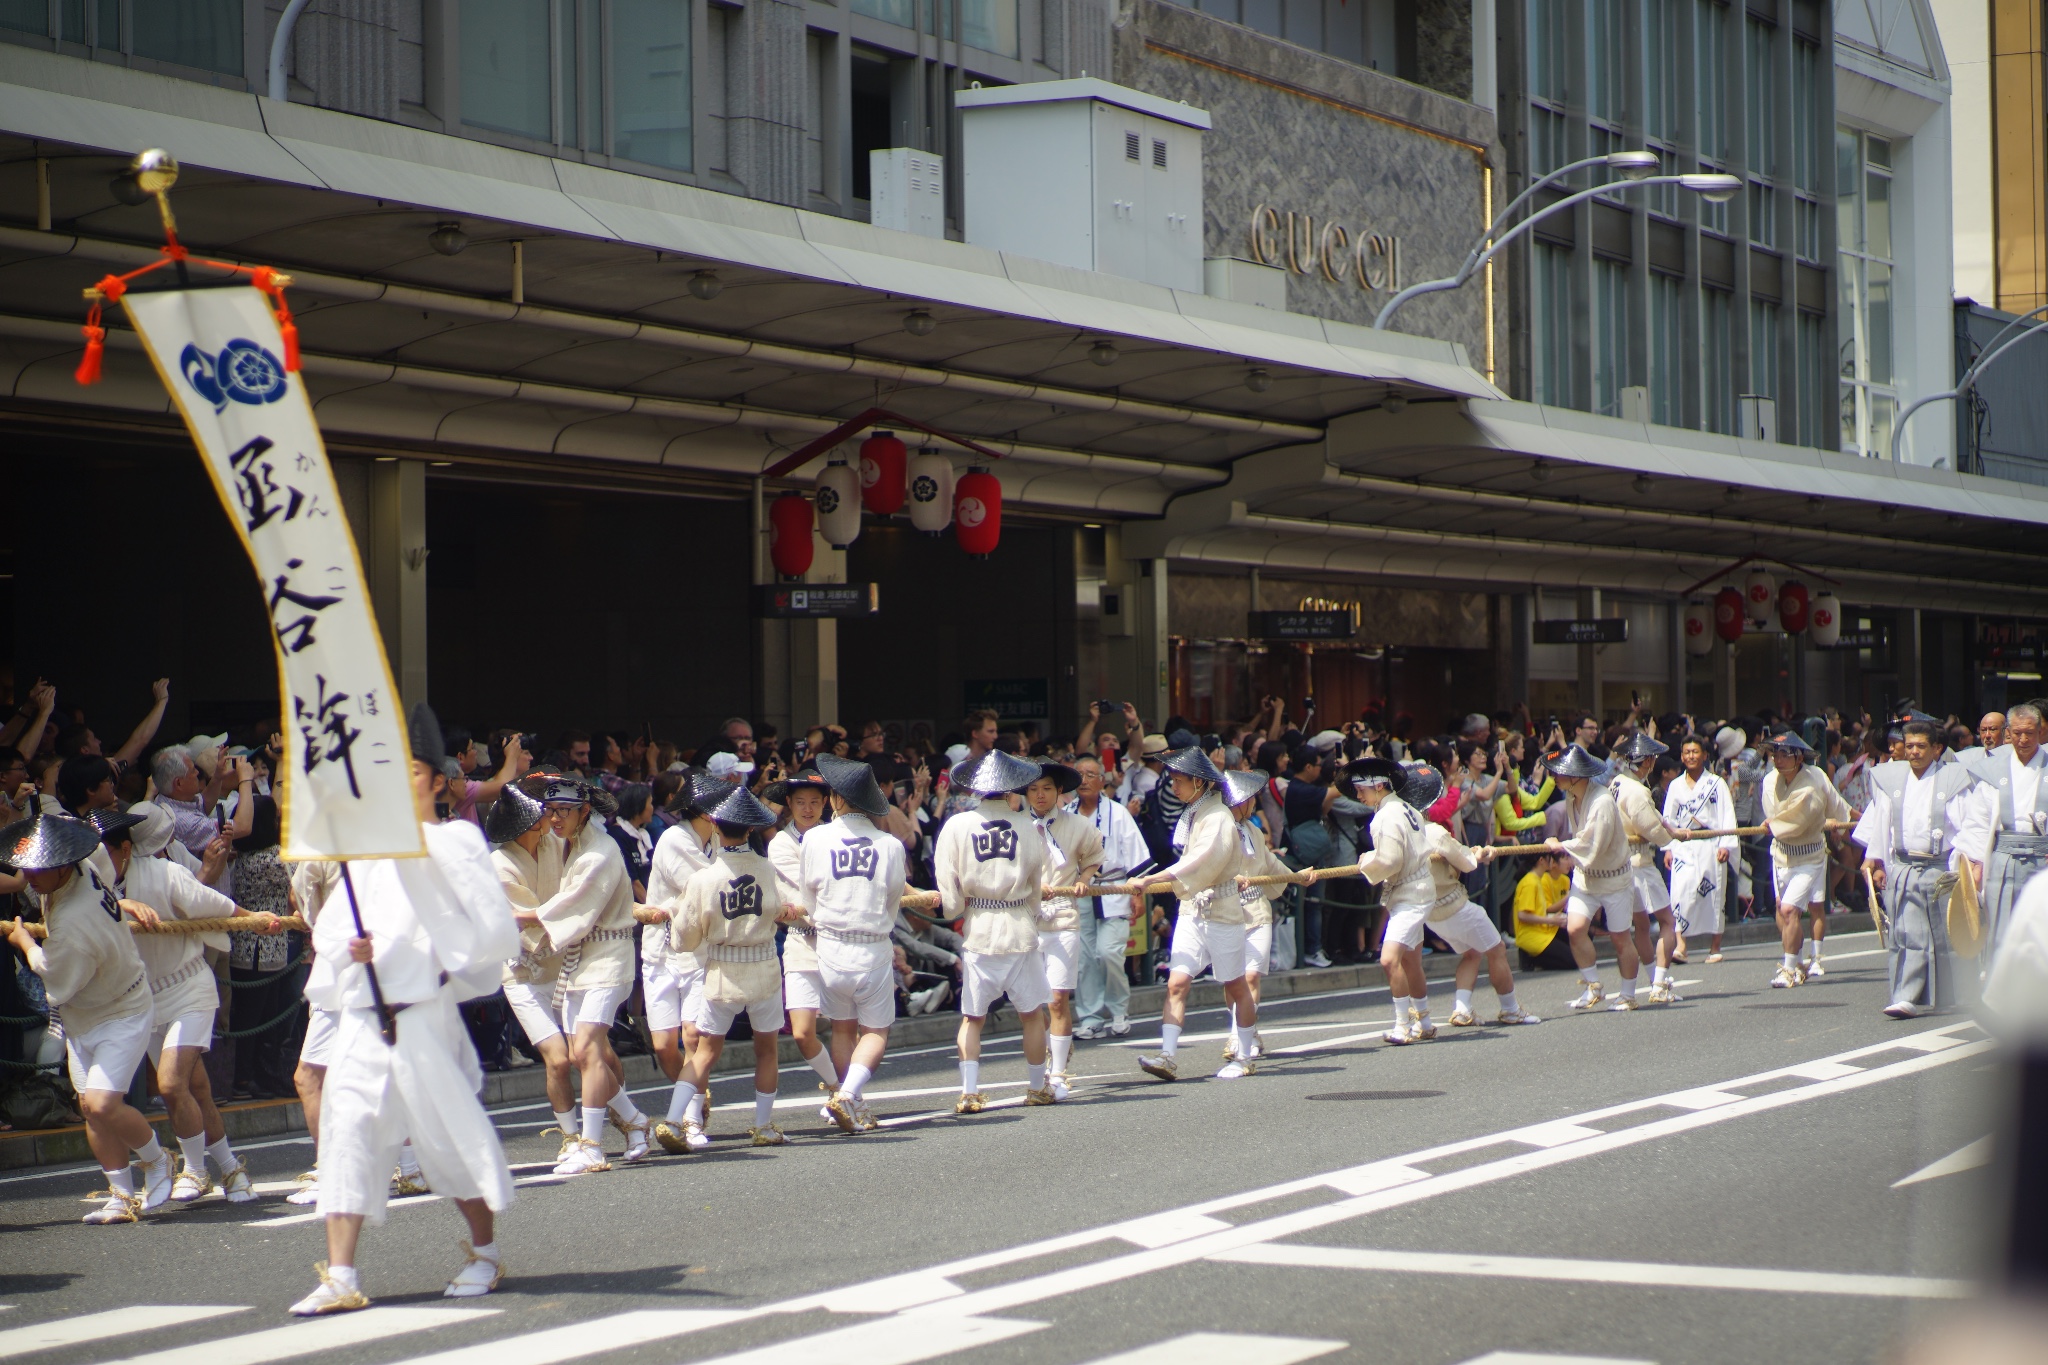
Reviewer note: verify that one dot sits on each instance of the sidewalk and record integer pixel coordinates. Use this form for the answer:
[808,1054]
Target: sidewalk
[258,1119]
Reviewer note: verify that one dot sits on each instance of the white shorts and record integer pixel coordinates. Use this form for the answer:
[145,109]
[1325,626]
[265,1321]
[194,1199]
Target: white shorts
[1801,884]
[1199,943]
[1615,911]
[664,992]
[1062,951]
[105,1057]
[802,989]
[536,1020]
[1466,930]
[985,976]
[858,981]
[317,1047]
[715,1020]
[187,1030]
[1258,949]
[599,1005]
[1652,895]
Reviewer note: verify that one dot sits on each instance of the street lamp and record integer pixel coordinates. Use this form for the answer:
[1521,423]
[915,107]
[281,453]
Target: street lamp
[1998,347]
[1714,187]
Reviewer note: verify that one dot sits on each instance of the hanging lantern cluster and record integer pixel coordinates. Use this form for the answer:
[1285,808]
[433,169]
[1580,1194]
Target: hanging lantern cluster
[887,478]
[1763,606]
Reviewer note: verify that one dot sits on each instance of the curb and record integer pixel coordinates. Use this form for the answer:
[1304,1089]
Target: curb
[256,1119]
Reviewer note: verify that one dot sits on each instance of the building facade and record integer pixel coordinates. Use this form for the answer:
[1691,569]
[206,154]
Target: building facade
[574,276]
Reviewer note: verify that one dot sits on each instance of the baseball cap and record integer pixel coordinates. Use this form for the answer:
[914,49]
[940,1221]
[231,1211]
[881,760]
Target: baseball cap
[727,765]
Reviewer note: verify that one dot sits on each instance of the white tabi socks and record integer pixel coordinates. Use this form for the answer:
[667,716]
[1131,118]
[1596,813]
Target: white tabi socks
[1169,1039]
[822,1064]
[970,1077]
[1062,1045]
[680,1101]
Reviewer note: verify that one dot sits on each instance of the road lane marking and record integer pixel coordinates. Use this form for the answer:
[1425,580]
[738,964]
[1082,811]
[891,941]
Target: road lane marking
[1225,1348]
[115,1322]
[886,1341]
[1601,1272]
[1038,1288]
[619,1332]
[1527,1358]
[1966,1158]
[309,1338]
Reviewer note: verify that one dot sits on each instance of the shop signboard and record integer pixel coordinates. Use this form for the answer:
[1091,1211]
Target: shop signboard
[810,601]
[1010,698]
[1595,630]
[1300,625]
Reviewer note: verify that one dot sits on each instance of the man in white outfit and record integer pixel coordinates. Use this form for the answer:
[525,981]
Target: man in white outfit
[990,865]
[1210,929]
[1603,884]
[435,931]
[668,978]
[1914,831]
[1698,800]
[1073,857]
[183,998]
[92,972]
[2009,843]
[1797,804]
[853,877]
[591,920]
[804,796]
[1103,992]
[528,860]
[1634,758]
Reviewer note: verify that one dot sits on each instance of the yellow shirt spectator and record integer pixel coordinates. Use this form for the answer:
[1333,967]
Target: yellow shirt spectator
[1535,894]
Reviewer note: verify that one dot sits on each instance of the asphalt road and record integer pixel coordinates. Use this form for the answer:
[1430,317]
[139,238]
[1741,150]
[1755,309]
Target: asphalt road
[1713,1181]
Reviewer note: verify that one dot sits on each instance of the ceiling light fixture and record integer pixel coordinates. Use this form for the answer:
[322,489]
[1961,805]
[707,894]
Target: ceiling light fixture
[1103,353]
[1258,381]
[1395,401]
[1539,470]
[1642,483]
[449,239]
[919,323]
[706,285]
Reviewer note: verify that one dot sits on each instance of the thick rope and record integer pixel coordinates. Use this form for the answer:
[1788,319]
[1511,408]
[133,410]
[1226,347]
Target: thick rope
[228,924]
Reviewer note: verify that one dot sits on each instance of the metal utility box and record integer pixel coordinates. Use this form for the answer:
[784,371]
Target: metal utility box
[909,190]
[1086,173]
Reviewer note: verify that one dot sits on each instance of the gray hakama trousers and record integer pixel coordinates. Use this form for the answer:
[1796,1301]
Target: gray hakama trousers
[1922,966]
[2014,859]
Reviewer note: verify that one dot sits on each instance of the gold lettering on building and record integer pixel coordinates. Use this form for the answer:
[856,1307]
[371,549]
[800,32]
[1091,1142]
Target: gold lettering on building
[1331,604]
[1291,241]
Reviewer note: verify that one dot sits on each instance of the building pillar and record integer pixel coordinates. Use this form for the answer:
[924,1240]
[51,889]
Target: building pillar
[1521,631]
[393,543]
[1589,655]
[1674,632]
[1912,677]
[1153,695]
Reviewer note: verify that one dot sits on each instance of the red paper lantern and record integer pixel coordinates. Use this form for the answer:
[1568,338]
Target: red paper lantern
[978,512]
[882,462]
[1793,606]
[790,546]
[1728,609]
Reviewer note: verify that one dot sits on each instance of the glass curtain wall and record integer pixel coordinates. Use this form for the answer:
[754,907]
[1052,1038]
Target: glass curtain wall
[1734,298]
[1863,193]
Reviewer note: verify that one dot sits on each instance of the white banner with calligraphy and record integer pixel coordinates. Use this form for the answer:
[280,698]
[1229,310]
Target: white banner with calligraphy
[347,790]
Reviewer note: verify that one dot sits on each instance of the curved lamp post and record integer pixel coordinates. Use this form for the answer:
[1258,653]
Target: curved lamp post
[1998,347]
[1714,186]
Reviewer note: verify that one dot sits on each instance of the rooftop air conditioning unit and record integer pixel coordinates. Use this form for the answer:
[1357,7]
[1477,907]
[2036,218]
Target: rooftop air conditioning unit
[1087,174]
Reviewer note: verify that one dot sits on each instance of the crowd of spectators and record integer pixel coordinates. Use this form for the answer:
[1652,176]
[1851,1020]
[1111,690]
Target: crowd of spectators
[1498,790]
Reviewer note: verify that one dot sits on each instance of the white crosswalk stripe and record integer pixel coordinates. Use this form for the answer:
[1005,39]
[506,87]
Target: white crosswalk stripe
[115,1322]
[311,1338]
[617,1333]
[886,1341]
[1225,1348]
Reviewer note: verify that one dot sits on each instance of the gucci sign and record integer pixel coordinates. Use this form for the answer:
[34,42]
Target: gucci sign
[1370,259]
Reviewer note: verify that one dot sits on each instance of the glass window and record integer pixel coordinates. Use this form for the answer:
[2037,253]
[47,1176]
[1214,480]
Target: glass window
[1808,118]
[1711,78]
[206,34]
[1717,382]
[1263,15]
[1814,407]
[650,71]
[1763,348]
[990,25]
[1549,39]
[1863,318]
[1713,216]
[1610,335]
[1606,60]
[1668,36]
[1551,352]
[1806,226]
[902,12]
[1763,214]
[506,67]
[1761,103]
[1667,349]
[26,16]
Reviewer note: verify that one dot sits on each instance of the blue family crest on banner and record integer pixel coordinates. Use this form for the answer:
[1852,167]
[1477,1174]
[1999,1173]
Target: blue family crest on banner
[243,372]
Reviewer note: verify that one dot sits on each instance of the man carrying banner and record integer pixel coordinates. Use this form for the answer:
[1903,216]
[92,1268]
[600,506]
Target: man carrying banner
[1918,812]
[91,971]
[434,931]
[669,979]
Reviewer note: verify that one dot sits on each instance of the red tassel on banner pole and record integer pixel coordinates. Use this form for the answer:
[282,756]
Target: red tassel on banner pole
[95,346]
